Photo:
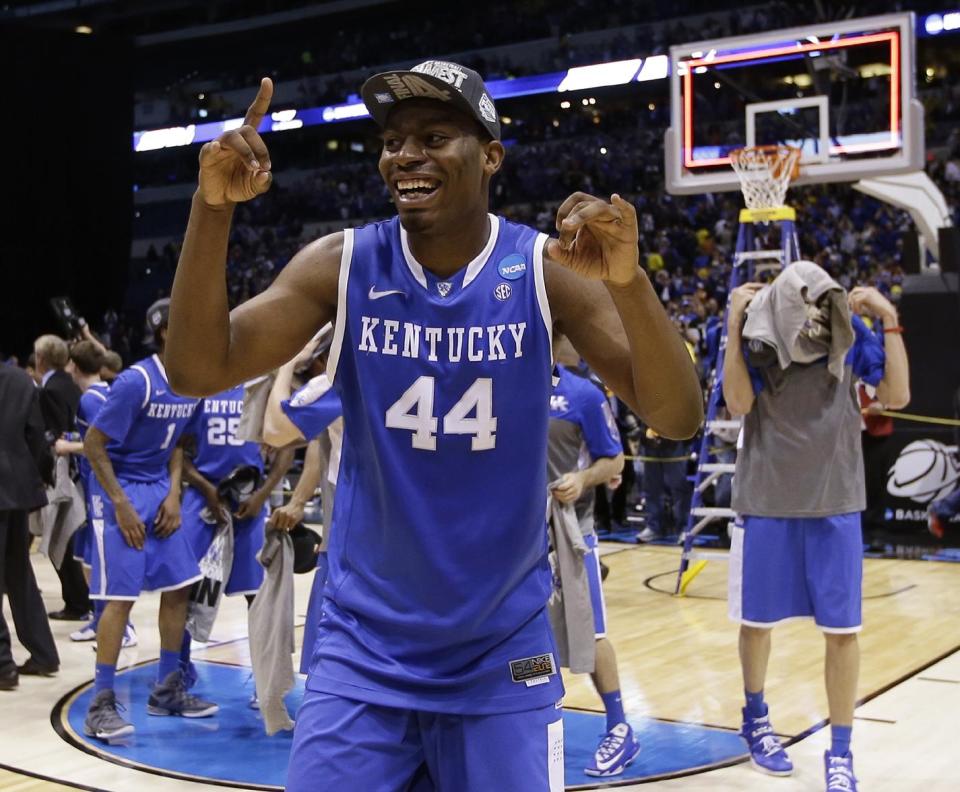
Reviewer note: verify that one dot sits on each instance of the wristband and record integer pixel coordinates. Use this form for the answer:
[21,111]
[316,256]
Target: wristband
[898,329]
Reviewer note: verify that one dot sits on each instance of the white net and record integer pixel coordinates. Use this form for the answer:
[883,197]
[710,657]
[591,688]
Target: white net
[765,173]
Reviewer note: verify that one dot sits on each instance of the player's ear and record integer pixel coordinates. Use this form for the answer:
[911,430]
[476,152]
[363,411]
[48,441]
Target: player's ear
[493,153]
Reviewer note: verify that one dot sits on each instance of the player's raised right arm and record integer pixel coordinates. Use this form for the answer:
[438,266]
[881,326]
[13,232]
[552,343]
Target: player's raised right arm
[209,348]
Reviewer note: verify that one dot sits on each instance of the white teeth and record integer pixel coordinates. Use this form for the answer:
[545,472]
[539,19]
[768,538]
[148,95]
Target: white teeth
[413,184]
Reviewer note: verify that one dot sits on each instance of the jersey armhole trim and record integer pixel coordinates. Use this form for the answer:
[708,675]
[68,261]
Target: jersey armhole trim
[146,379]
[346,258]
[545,314]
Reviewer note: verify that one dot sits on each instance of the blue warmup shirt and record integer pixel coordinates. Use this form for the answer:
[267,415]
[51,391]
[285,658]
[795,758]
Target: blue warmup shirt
[578,401]
[214,424]
[91,401]
[312,409]
[144,419]
[438,582]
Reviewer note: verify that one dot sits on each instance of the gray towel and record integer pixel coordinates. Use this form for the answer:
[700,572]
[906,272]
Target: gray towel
[804,316]
[256,392]
[270,624]
[64,513]
[569,607]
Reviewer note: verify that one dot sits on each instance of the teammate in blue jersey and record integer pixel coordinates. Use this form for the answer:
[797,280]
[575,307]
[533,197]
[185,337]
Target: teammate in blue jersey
[797,548]
[86,360]
[435,663]
[584,450]
[135,512]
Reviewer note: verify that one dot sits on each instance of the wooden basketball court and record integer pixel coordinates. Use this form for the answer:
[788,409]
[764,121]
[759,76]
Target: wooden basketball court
[678,662]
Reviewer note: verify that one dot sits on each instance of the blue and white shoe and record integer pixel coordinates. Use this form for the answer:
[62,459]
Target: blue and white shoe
[766,752]
[839,772]
[616,751]
[129,637]
[86,633]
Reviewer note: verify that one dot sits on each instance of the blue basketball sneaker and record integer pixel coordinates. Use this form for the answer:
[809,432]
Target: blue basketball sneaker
[839,772]
[616,751]
[766,752]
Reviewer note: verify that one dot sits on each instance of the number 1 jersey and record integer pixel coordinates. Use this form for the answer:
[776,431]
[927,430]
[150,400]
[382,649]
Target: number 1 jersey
[439,577]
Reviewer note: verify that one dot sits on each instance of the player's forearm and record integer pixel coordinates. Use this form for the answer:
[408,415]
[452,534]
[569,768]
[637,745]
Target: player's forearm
[737,387]
[666,388]
[195,478]
[176,472]
[95,449]
[310,477]
[278,429]
[602,470]
[894,389]
[198,338]
[282,462]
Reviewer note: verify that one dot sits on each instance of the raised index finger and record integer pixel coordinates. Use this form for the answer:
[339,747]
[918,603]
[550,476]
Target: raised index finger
[261,103]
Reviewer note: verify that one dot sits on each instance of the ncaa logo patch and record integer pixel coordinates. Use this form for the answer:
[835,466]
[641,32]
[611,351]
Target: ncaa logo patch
[503,292]
[444,288]
[512,267]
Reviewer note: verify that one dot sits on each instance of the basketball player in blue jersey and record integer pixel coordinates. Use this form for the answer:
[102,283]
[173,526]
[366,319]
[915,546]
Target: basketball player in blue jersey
[135,508]
[435,664]
[584,450]
[86,360]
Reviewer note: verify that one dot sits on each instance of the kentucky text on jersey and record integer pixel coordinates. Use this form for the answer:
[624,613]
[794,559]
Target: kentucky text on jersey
[447,344]
[166,411]
[223,406]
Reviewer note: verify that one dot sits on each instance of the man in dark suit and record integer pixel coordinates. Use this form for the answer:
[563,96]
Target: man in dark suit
[24,454]
[59,400]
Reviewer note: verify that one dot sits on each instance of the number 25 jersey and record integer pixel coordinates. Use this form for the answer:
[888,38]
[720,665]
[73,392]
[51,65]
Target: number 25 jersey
[438,577]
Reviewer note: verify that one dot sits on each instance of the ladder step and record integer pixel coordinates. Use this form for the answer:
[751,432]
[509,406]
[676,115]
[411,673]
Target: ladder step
[712,511]
[718,467]
[715,555]
[718,424]
[754,255]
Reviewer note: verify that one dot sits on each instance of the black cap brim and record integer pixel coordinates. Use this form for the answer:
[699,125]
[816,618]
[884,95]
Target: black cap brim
[382,92]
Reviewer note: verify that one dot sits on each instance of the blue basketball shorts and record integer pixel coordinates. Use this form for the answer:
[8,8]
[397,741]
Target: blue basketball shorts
[592,562]
[788,568]
[341,744]
[246,574]
[121,572]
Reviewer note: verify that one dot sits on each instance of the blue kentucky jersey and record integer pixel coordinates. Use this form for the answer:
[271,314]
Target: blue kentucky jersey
[214,424]
[91,401]
[438,582]
[587,429]
[144,419]
[313,407]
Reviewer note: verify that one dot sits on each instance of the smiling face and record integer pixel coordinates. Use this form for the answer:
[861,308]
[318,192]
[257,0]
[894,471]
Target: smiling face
[436,165]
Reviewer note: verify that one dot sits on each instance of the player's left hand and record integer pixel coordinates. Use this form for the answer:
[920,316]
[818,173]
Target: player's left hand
[252,506]
[598,240]
[867,301]
[168,516]
[287,517]
[568,488]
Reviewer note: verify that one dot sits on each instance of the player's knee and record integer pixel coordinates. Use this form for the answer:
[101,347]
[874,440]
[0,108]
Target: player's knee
[118,607]
[840,640]
[754,633]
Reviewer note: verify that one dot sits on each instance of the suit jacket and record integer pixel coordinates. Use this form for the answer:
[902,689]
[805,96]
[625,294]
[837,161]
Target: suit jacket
[25,456]
[59,402]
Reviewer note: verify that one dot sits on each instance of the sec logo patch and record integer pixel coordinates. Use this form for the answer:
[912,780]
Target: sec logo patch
[503,292]
[512,267]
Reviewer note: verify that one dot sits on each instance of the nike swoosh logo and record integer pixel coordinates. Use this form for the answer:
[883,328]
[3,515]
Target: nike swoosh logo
[373,294]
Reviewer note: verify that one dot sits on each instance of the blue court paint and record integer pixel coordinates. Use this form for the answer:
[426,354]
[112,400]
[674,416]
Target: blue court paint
[232,746]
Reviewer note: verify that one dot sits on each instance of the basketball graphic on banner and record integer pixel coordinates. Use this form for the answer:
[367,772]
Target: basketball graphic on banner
[925,471]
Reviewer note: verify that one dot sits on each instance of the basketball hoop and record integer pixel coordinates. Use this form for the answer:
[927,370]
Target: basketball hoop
[765,173]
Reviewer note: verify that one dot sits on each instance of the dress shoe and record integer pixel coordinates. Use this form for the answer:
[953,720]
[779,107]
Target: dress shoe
[9,679]
[33,668]
[67,615]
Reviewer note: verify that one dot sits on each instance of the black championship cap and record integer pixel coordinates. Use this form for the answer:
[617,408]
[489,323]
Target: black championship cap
[440,80]
[158,315]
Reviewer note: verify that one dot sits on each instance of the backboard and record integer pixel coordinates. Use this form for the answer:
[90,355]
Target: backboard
[842,92]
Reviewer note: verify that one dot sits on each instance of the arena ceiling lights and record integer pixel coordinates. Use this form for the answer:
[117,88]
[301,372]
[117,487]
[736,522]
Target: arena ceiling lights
[578,78]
